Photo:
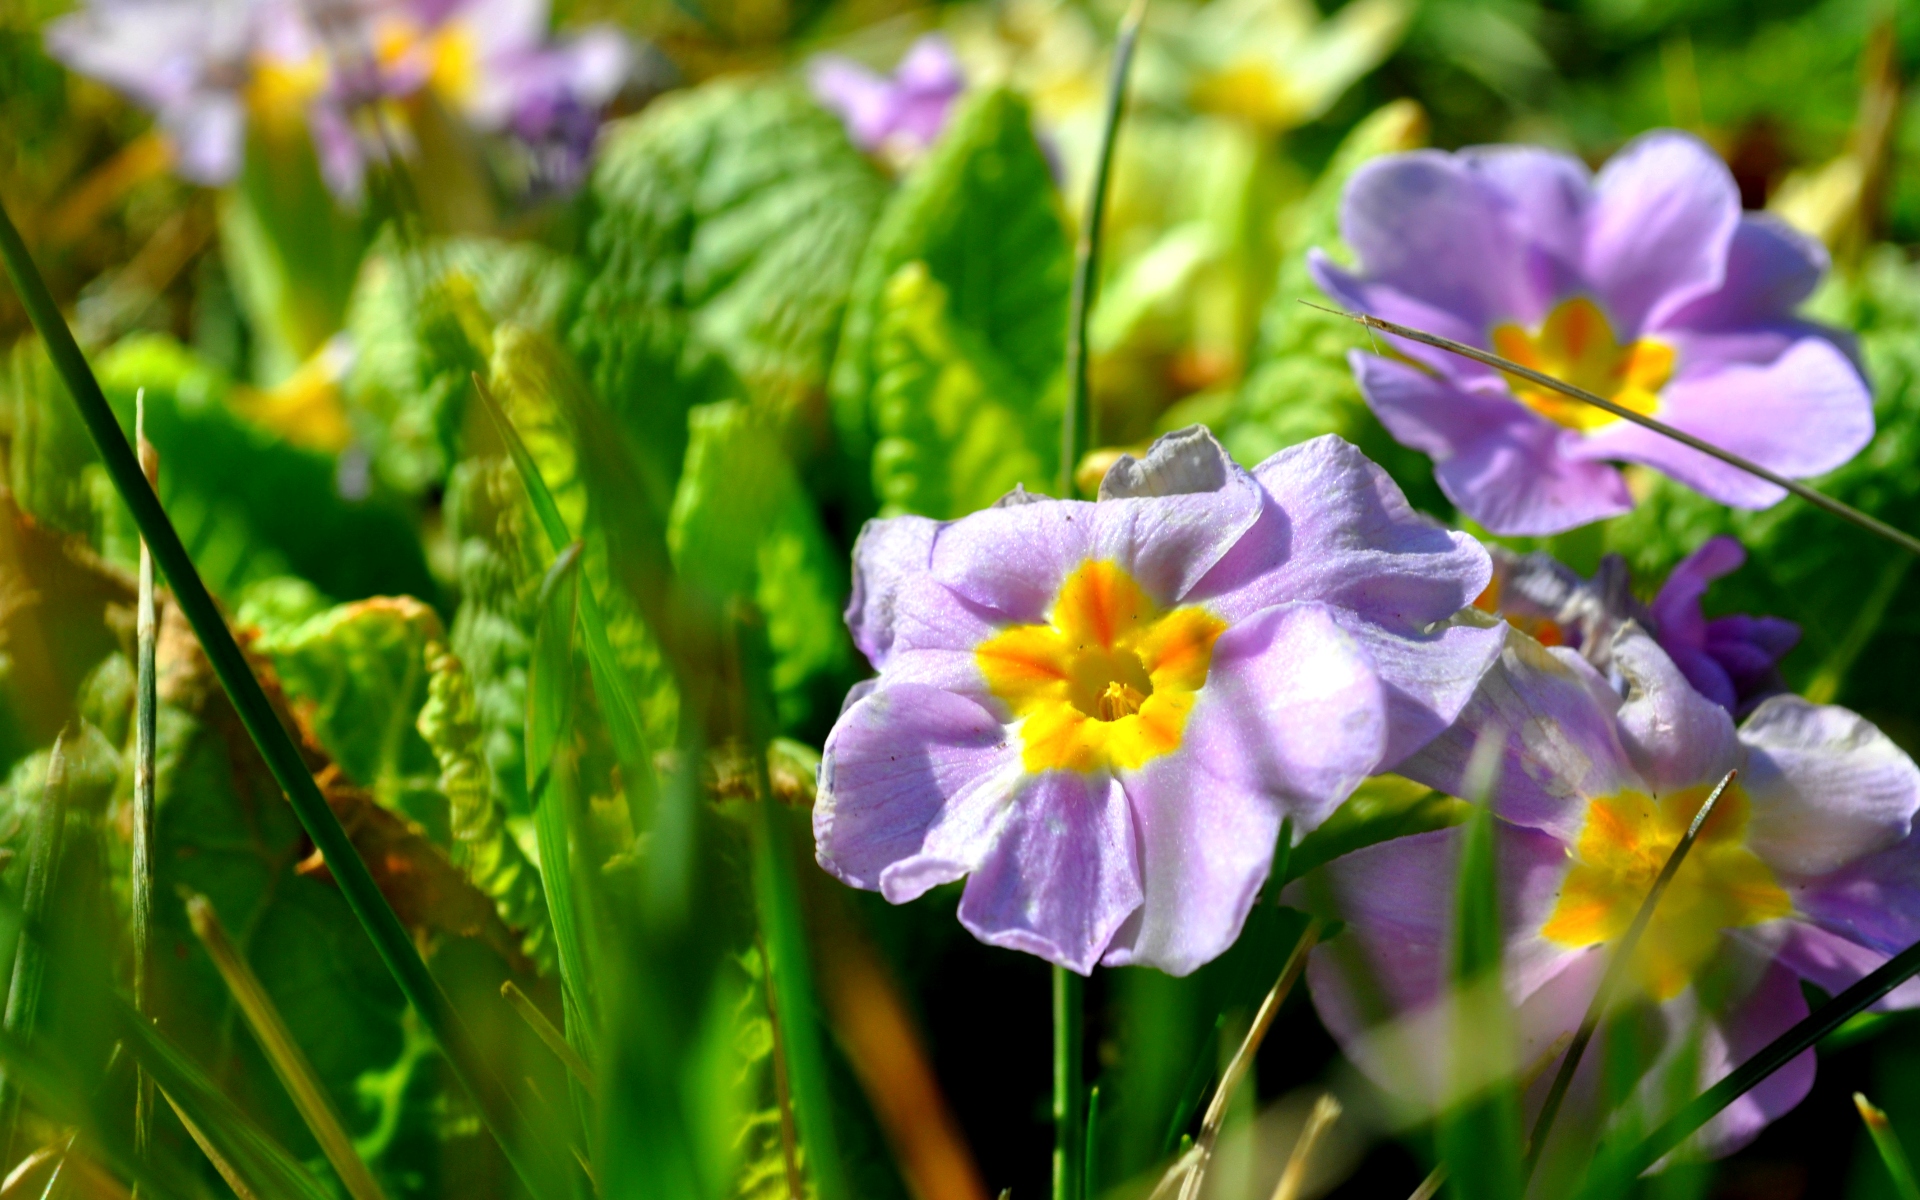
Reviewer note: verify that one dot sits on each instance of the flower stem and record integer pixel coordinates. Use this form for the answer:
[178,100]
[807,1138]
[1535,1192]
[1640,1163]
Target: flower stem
[1069,1090]
[1076,423]
[1818,499]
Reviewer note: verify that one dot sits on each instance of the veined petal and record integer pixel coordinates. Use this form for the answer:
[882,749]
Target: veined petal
[1335,527]
[1806,413]
[887,553]
[1062,874]
[1664,214]
[1675,737]
[1291,720]
[1504,466]
[1555,717]
[896,762]
[1828,788]
[1427,678]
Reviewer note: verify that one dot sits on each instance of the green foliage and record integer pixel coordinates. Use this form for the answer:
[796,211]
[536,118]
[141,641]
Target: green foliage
[1298,384]
[956,429]
[725,225]
[1385,806]
[422,321]
[982,215]
[359,673]
[743,527]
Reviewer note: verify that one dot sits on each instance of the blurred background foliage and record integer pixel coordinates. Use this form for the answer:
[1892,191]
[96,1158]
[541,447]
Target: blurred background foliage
[741,337]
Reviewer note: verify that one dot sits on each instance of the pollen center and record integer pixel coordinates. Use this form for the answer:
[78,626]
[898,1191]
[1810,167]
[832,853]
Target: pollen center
[1720,885]
[1107,681]
[1576,344]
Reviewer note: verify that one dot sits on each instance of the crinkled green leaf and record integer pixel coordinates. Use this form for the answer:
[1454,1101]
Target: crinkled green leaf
[1298,384]
[482,845]
[953,433]
[726,224]
[359,672]
[743,526]
[982,213]
[422,322]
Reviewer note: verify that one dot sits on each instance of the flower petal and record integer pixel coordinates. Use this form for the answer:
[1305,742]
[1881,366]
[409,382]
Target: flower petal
[1428,226]
[1806,413]
[1062,875]
[1874,900]
[1824,958]
[1382,300]
[1014,559]
[1549,197]
[1505,467]
[1827,786]
[896,762]
[1427,677]
[1728,1038]
[1336,527]
[886,554]
[1555,716]
[1771,268]
[1184,462]
[1675,737]
[1664,214]
[1291,719]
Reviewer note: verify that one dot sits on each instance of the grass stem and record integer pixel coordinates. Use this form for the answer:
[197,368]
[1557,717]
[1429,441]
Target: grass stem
[1069,1089]
[1616,967]
[1076,422]
[1818,499]
[552,1038]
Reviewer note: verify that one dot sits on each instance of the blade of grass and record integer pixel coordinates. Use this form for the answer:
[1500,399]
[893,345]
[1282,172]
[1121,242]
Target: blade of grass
[1887,1142]
[267,1166]
[1185,1177]
[289,1062]
[145,743]
[777,897]
[553,1039]
[617,704]
[1431,1185]
[553,787]
[1479,1133]
[782,1084]
[1818,499]
[229,1174]
[30,955]
[498,1108]
[1076,423]
[1093,1140]
[1610,978]
[1326,1110]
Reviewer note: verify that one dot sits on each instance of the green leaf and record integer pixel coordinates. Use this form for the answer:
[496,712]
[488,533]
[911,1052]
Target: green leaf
[725,225]
[482,845]
[981,212]
[954,433]
[360,673]
[1384,807]
[422,321]
[743,527]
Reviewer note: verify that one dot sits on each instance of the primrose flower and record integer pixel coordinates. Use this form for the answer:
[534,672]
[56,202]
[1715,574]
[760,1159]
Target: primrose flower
[1804,871]
[1645,284]
[1100,714]
[899,116]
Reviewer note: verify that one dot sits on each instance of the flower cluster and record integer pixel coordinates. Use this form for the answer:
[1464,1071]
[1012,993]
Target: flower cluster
[1104,716]
[209,70]
[1645,284]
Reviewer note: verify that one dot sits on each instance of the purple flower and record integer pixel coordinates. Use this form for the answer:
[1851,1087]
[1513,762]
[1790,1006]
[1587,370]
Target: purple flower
[189,61]
[1645,283]
[1805,871]
[1101,713]
[1734,660]
[902,115]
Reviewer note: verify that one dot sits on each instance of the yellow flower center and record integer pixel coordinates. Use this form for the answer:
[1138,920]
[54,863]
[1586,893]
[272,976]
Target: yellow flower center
[1576,345]
[1107,682]
[1721,884]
